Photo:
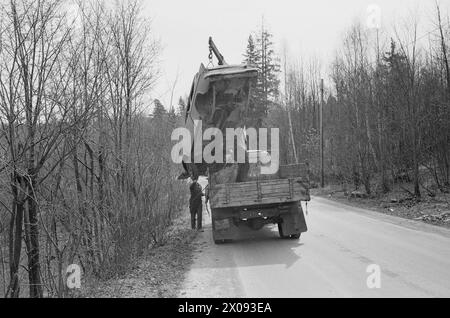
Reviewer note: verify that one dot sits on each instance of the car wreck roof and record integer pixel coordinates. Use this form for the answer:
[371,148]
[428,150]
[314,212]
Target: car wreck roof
[230,71]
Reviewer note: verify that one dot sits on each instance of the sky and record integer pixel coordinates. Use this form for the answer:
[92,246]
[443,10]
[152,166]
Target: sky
[305,28]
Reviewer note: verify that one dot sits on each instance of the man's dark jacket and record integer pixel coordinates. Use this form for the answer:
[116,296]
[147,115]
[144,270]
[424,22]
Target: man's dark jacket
[196,195]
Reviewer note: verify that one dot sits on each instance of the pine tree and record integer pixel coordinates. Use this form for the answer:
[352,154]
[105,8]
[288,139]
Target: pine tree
[269,68]
[181,107]
[262,55]
[251,54]
[252,58]
[159,111]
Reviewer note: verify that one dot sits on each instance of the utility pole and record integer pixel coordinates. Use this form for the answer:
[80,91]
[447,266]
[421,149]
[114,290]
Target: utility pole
[288,108]
[322,161]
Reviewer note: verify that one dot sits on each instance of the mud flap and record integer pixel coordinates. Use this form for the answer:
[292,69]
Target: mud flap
[294,222]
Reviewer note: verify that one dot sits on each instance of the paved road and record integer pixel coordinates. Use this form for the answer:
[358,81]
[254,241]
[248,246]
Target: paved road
[331,260]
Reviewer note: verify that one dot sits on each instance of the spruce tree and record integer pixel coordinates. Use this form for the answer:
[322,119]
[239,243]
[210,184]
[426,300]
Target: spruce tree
[251,54]
[181,107]
[159,111]
[269,68]
[252,58]
[260,53]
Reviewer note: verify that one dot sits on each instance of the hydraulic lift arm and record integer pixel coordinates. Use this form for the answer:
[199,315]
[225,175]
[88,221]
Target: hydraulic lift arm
[213,49]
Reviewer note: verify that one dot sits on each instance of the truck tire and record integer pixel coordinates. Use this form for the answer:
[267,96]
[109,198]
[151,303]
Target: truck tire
[295,237]
[280,231]
[286,237]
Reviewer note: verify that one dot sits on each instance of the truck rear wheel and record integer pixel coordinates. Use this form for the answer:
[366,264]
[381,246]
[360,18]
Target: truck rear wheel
[280,231]
[287,237]
[295,237]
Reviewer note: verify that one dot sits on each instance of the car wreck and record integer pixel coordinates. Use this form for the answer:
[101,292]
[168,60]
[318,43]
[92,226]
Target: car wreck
[219,98]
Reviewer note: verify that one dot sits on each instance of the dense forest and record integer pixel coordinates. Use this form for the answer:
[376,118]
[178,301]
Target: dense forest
[85,169]
[385,106]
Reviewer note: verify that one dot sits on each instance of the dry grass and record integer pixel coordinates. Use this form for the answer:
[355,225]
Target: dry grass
[158,274]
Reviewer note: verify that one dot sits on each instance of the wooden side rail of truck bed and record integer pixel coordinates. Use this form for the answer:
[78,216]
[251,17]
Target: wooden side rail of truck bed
[259,193]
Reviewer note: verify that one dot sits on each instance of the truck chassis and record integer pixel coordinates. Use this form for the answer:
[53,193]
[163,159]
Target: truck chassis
[242,207]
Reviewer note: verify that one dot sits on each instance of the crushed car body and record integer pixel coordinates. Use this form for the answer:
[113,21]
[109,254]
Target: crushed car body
[219,98]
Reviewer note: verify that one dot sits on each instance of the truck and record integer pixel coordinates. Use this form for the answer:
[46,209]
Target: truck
[242,198]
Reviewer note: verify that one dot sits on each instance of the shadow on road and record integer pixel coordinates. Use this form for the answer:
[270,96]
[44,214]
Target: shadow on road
[252,249]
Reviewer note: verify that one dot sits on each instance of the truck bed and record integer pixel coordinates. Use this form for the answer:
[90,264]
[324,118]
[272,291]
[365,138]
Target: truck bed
[262,192]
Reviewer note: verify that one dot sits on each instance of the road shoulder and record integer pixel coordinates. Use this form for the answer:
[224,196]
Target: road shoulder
[213,273]
[376,214]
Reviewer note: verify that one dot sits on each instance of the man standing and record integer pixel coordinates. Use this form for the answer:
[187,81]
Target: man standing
[196,205]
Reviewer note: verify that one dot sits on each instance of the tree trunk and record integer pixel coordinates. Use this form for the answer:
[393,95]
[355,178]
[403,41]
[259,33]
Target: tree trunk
[15,239]
[34,266]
